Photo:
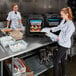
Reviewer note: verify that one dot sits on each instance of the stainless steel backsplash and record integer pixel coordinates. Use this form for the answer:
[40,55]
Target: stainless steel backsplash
[27,7]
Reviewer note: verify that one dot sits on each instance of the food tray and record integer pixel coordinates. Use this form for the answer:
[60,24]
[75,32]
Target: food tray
[17,35]
[5,30]
[6,40]
[18,46]
[19,67]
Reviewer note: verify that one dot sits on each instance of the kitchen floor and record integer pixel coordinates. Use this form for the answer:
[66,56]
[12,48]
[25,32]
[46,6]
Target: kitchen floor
[71,68]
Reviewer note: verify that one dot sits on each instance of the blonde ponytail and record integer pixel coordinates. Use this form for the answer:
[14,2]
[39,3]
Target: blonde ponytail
[70,16]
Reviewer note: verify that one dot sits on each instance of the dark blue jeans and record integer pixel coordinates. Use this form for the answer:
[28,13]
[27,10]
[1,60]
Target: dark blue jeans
[59,56]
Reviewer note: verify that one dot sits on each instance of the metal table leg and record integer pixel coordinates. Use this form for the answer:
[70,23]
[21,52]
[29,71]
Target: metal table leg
[1,68]
[12,67]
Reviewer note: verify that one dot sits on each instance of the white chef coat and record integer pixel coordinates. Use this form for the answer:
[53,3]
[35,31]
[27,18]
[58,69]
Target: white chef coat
[66,32]
[14,18]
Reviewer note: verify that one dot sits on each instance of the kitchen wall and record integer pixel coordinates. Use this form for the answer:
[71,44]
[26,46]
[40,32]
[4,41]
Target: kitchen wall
[31,6]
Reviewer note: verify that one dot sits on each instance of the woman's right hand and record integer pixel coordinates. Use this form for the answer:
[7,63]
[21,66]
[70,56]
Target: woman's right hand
[50,30]
[7,27]
[45,34]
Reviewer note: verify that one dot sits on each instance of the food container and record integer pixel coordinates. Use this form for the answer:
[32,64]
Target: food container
[18,46]
[17,35]
[29,72]
[19,67]
[6,30]
[6,40]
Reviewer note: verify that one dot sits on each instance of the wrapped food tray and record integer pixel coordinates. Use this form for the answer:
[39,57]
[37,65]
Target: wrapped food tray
[6,40]
[18,46]
[17,35]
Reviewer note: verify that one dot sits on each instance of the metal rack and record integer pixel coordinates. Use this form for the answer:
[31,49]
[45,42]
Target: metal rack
[33,44]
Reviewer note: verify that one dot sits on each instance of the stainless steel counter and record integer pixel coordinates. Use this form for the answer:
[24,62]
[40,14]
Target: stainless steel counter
[33,43]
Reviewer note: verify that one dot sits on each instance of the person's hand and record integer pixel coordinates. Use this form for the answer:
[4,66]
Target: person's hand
[50,30]
[45,34]
[7,27]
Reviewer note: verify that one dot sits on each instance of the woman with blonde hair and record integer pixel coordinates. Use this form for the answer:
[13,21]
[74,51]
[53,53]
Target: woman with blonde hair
[66,28]
[14,18]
